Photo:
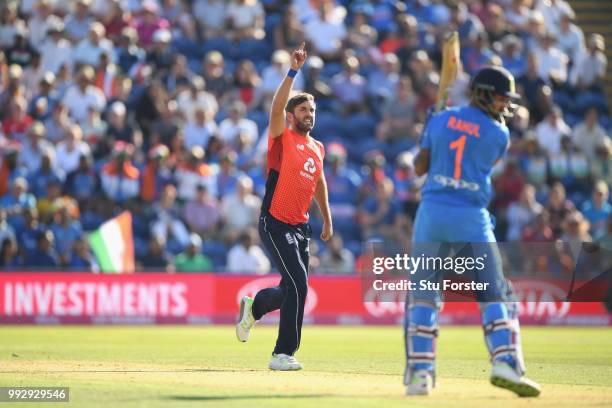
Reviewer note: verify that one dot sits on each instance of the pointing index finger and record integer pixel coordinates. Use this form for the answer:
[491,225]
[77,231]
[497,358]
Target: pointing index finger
[302,45]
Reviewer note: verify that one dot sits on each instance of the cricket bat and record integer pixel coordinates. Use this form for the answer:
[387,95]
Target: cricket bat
[450,67]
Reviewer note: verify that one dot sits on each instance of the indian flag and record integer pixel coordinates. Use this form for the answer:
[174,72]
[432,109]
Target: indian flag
[113,245]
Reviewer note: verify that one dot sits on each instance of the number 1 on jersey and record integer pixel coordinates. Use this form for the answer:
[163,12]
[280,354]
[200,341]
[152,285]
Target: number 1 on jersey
[458,144]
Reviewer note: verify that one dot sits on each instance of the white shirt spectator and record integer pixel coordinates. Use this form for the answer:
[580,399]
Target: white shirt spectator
[88,53]
[30,156]
[78,103]
[326,36]
[196,135]
[589,138]
[519,216]
[230,129]
[69,158]
[549,135]
[244,15]
[589,69]
[240,214]
[552,61]
[55,54]
[571,42]
[210,13]
[552,10]
[252,260]
[188,104]
[272,77]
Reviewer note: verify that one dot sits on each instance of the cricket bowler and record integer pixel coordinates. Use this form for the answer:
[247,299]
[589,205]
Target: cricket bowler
[294,177]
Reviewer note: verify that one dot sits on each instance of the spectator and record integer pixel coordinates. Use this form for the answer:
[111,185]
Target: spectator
[508,185]
[570,38]
[17,122]
[10,169]
[246,256]
[240,210]
[80,258]
[211,16]
[237,125]
[199,131]
[21,53]
[160,55]
[533,89]
[43,103]
[552,10]
[90,49]
[193,172]
[119,178]
[598,209]
[35,147]
[44,257]
[9,259]
[203,213]
[157,257]
[326,32]
[79,22]
[289,34]
[550,131]
[512,56]
[6,230]
[399,117]
[383,81]
[58,123]
[217,82]
[56,51]
[129,54]
[83,183]
[601,164]
[521,213]
[273,75]
[552,61]
[246,83]
[66,230]
[156,174]
[192,260]
[71,149]
[246,19]
[27,236]
[45,175]
[350,87]
[533,162]
[196,97]
[167,223]
[463,21]
[540,230]
[571,167]
[83,95]
[590,67]
[115,20]
[229,175]
[518,15]
[558,207]
[149,23]
[337,259]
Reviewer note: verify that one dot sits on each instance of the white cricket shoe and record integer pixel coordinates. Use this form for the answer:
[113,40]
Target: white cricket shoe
[284,362]
[504,376]
[421,383]
[246,321]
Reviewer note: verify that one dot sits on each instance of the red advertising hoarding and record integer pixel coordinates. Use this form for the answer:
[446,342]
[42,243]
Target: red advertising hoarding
[67,298]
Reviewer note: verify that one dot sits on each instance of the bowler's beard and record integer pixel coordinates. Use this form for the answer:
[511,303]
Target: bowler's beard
[303,127]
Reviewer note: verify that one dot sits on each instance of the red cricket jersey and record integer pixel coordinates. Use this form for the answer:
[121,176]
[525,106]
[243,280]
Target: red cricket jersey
[294,166]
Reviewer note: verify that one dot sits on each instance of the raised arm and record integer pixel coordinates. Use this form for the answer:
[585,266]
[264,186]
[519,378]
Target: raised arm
[277,113]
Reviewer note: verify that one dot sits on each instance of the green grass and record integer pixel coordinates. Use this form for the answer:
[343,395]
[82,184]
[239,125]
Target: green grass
[353,367]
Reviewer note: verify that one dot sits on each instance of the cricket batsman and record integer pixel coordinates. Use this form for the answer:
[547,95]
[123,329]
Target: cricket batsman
[294,177]
[458,150]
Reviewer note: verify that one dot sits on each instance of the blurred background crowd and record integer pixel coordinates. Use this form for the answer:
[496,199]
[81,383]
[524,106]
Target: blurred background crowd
[161,108]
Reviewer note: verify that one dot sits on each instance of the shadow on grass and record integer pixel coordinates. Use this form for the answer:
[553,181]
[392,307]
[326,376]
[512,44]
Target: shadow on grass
[241,397]
[187,370]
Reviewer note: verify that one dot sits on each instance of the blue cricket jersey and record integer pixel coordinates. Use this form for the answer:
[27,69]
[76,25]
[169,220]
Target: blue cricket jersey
[464,144]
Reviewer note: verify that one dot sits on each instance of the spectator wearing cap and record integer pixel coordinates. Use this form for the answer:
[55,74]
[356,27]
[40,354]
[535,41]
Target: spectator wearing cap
[155,174]
[43,102]
[71,149]
[167,223]
[44,257]
[119,129]
[512,55]
[217,81]
[46,174]
[89,50]
[237,125]
[246,19]
[56,51]
[66,229]
[398,114]
[589,133]
[148,23]
[550,131]
[590,68]
[82,183]
[570,38]
[240,210]
[192,259]
[17,201]
[160,56]
[200,130]
[34,147]
[202,214]
[83,95]
[597,210]
[79,21]
[196,96]
[193,172]
[552,61]
[16,124]
[273,75]
[211,16]
[119,178]
[349,86]
[10,169]
[246,256]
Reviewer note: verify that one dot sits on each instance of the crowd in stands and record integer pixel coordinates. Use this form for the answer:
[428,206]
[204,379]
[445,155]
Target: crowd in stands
[161,108]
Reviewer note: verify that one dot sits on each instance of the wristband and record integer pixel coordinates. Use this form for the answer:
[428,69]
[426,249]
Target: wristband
[292,73]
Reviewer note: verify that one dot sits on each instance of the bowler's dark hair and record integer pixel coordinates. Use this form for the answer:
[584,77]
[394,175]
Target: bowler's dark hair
[298,99]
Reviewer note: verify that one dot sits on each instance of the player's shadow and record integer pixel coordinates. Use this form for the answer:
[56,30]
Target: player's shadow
[241,397]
